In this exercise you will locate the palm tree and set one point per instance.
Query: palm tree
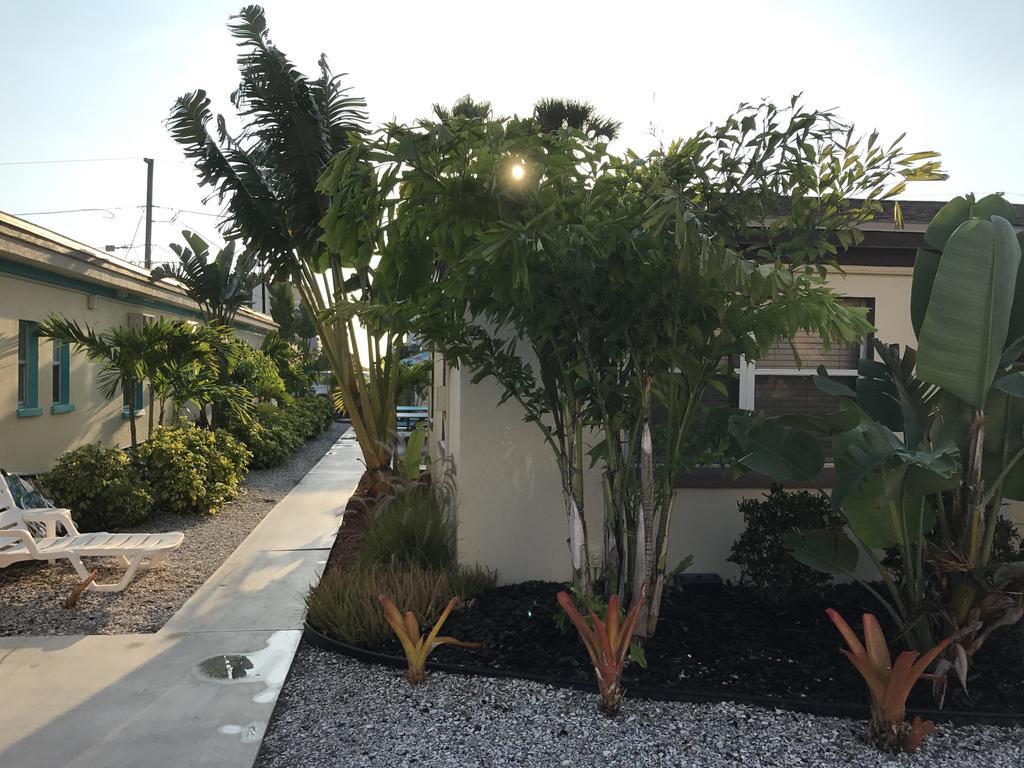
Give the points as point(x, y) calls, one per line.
point(268, 178)
point(220, 287)
point(555, 114)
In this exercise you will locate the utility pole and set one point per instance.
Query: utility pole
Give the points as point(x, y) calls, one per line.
point(149, 211)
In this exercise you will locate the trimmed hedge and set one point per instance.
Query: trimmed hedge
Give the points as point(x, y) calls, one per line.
point(101, 488)
point(191, 470)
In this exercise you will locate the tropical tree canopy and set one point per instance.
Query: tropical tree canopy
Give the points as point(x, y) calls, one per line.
point(594, 287)
point(267, 176)
point(220, 286)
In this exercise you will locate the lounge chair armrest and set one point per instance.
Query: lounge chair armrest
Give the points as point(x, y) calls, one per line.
point(51, 516)
point(23, 535)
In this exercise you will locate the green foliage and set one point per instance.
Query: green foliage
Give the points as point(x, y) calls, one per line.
point(289, 362)
point(761, 552)
point(937, 442)
point(220, 286)
point(344, 603)
point(310, 415)
point(269, 176)
point(414, 527)
point(100, 487)
point(257, 372)
point(270, 435)
point(191, 470)
point(629, 283)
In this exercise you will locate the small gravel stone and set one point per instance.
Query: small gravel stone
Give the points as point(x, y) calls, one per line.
point(32, 594)
point(334, 711)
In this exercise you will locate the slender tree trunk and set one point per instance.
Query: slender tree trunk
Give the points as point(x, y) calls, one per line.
point(152, 401)
point(131, 425)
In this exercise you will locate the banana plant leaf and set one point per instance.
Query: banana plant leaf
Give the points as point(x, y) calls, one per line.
point(823, 550)
point(946, 222)
point(1004, 437)
point(782, 453)
point(965, 327)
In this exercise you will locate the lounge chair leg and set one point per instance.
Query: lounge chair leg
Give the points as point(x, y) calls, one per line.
point(126, 579)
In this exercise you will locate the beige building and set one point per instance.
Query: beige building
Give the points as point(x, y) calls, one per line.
point(49, 401)
point(510, 508)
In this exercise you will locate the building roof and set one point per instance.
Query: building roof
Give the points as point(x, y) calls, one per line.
point(29, 249)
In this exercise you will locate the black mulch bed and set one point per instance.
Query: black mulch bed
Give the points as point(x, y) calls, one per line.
point(719, 638)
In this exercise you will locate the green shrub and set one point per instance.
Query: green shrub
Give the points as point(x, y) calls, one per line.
point(411, 528)
point(255, 371)
point(270, 435)
point(100, 488)
point(191, 470)
point(317, 412)
point(764, 561)
point(344, 604)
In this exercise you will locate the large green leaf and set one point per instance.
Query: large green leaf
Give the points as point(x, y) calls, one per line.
point(877, 395)
point(941, 228)
point(858, 453)
point(926, 265)
point(1016, 329)
point(782, 453)
point(823, 550)
point(965, 328)
point(946, 221)
point(1004, 436)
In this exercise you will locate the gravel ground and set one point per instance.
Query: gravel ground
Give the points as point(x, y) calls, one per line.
point(334, 711)
point(32, 594)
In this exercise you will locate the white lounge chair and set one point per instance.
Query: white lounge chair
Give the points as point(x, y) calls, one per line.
point(20, 540)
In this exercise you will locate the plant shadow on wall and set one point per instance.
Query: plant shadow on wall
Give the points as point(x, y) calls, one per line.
point(928, 446)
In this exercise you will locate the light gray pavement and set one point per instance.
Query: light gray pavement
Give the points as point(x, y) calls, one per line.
point(200, 691)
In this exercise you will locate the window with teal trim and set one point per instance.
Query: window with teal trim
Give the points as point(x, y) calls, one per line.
point(28, 369)
point(61, 378)
point(125, 394)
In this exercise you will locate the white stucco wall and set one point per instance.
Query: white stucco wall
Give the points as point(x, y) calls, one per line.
point(511, 516)
point(30, 445)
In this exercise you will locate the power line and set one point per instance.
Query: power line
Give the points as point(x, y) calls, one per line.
point(83, 160)
point(108, 209)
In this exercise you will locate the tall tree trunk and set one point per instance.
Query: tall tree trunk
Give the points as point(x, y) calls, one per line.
point(131, 425)
point(152, 400)
point(646, 532)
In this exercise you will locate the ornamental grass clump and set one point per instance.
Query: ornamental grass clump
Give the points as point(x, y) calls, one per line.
point(418, 647)
point(889, 683)
point(608, 643)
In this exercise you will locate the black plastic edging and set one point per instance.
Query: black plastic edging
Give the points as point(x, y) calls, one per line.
point(856, 711)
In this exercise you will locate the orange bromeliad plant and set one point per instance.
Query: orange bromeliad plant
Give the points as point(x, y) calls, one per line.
point(890, 683)
point(417, 647)
point(607, 642)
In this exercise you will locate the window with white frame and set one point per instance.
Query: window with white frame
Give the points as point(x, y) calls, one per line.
point(781, 383)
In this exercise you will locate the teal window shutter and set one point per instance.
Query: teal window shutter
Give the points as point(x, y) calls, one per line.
point(61, 378)
point(136, 396)
point(28, 370)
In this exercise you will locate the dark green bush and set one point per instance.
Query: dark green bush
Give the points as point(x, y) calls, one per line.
point(100, 488)
point(764, 561)
point(270, 435)
point(414, 528)
point(191, 470)
point(344, 604)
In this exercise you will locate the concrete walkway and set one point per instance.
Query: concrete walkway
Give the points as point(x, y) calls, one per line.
point(200, 691)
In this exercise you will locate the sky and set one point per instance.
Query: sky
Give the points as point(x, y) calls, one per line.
point(95, 81)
